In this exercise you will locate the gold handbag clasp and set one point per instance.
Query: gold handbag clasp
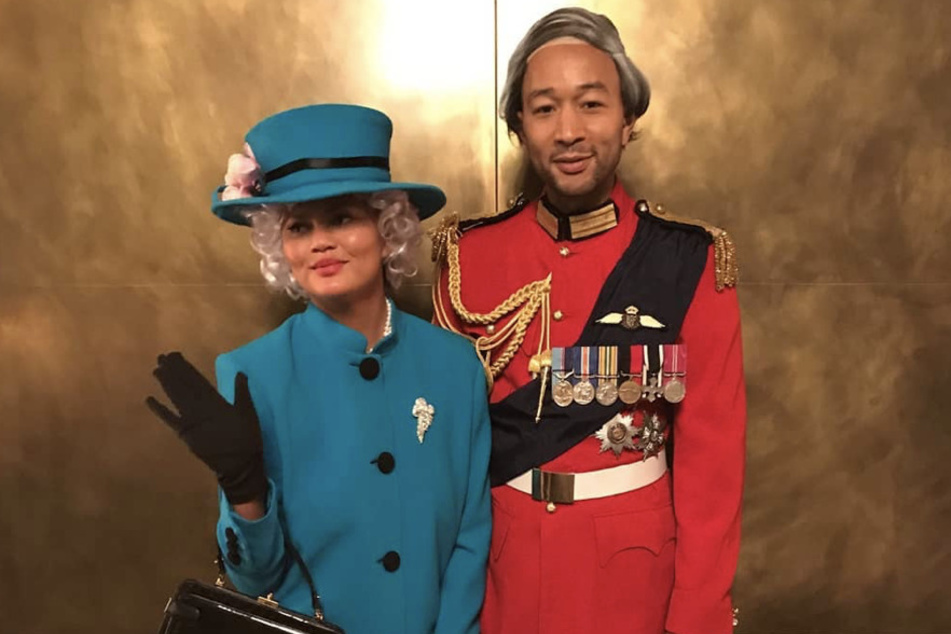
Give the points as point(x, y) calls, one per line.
point(268, 600)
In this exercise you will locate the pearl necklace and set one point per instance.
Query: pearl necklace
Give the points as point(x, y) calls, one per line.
point(388, 328)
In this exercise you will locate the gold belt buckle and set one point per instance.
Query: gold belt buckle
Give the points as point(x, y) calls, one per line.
point(553, 487)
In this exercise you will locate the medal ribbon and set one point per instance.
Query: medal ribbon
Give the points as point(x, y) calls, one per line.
point(558, 369)
point(653, 365)
point(635, 367)
point(572, 356)
point(653, 361)
point(588, 365)
point(675, 361)
point(607, 362)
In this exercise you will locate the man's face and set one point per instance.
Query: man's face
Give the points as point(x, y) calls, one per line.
point(573, 125)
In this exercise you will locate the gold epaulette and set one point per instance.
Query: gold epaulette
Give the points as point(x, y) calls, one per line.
point(446, 234)
point(726, 268)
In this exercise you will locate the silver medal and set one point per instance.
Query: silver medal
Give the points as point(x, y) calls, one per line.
point(607, 393)
point(583, 392)
point(563, 394)
point(674, 391)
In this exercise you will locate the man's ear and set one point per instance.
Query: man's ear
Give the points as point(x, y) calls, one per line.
point(627, 132)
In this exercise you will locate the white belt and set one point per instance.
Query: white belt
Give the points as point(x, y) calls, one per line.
point(565, 488)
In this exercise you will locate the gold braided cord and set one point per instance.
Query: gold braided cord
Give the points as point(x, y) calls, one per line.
point(523, 305)
point(726, 268)
point(541, 362)
point(444, 322)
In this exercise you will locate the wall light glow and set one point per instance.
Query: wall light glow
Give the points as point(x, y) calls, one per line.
point(435, 46)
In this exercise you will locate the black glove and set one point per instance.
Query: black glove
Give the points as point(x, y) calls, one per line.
point(225, 437)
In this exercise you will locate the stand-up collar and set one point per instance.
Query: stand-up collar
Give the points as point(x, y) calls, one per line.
point(346, 340)
point(562, 226)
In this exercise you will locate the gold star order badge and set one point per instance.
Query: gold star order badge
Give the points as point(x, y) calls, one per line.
point(617, 434)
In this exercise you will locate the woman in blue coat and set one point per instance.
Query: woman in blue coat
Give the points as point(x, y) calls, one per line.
point(354, 431)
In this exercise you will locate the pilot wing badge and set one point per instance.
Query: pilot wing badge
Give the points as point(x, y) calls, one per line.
point(631, 319)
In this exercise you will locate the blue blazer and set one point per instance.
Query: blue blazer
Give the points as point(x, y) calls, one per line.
point(394, 531)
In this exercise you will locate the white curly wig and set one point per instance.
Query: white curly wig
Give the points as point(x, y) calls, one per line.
point(398, 223)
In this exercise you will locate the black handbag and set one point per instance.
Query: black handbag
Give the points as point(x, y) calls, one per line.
point(201, 608)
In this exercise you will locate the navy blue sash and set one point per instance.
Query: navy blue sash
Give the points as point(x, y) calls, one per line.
point(658, 273)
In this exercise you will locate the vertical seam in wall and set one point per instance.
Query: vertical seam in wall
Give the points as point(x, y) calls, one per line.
point(495, 98)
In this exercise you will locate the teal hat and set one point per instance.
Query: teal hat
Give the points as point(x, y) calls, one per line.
point(318, 152)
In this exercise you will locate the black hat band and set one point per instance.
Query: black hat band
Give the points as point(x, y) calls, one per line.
point(298, 165)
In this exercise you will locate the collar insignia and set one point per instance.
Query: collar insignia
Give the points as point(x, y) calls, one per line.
point(576, 227)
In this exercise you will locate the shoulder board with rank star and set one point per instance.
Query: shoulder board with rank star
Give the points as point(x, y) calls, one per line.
point(725, 267)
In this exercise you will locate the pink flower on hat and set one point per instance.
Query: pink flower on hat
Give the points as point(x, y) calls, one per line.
point(244, 177)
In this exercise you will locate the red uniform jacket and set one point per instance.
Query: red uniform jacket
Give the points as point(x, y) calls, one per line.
point(659, 558)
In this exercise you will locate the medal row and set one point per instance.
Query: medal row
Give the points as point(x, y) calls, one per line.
point(584, 375)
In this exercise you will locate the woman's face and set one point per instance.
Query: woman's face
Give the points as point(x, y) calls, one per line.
point(334, 248)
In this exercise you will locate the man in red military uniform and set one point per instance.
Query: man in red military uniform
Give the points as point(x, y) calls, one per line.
point(611, 333)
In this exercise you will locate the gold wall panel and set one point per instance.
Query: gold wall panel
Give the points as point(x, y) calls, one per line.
point(125, 113)
point(848, 496)
point(117, 121)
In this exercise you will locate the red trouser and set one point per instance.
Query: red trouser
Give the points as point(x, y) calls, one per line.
point(601, 566)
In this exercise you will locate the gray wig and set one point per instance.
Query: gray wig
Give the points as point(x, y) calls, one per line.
point(593, 28)
point(398, 223)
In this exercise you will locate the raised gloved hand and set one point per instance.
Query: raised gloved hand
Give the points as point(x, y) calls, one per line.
point(225, 437)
